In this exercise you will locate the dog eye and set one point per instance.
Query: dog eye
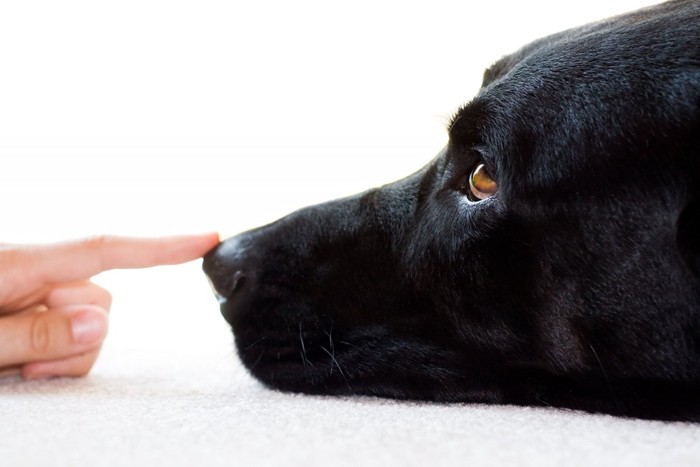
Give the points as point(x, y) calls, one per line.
point(481, 184)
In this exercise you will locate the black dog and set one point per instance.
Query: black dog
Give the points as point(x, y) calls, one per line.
point(549, 255)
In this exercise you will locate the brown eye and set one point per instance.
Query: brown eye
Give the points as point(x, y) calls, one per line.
point(481, 184)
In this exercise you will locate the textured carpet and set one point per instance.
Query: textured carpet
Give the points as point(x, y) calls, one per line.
point(131, 419)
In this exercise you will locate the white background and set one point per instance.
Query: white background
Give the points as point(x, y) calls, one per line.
point(161, 117)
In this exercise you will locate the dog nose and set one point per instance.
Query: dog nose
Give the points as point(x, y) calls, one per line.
point(228, 269)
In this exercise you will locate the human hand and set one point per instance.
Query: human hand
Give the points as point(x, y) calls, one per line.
point(53, 320)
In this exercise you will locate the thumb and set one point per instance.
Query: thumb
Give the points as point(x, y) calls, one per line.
point(52, 334)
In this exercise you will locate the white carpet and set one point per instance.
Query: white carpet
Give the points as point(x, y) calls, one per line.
point(168, 391)
point(126, 418)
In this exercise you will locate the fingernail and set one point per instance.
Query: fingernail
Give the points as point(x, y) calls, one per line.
point(88, 327)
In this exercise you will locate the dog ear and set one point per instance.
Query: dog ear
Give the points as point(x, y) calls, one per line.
point(688, 236)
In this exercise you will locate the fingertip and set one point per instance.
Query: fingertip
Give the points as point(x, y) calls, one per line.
point(212, 235)
point(213, 240)
point(191, 247)
point(210, 239)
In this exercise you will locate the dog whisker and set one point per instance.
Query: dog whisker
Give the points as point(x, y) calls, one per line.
point(334, 361)
point(544, 402)
point(605, 375)
point(304, 357)
point(255, 343)
point(330, 339)
point(258, 360)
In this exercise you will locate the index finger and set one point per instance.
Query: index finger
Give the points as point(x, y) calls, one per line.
point(82, 259)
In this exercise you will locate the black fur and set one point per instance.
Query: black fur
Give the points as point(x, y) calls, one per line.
point(577, 285)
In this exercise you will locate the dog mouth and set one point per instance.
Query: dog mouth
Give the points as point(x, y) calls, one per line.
point(316, 329)
point(279, 333)
point(290, 350)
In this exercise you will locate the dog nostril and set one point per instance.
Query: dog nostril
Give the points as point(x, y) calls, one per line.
point(239, 280)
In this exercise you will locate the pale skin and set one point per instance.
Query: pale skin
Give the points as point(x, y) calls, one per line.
point(53, 320)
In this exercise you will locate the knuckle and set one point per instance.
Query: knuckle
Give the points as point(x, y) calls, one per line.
point(99, 247)
point(98, 242)
point(100, 296)
point(40, 336)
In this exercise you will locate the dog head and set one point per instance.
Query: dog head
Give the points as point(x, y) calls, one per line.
point(549, 254)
